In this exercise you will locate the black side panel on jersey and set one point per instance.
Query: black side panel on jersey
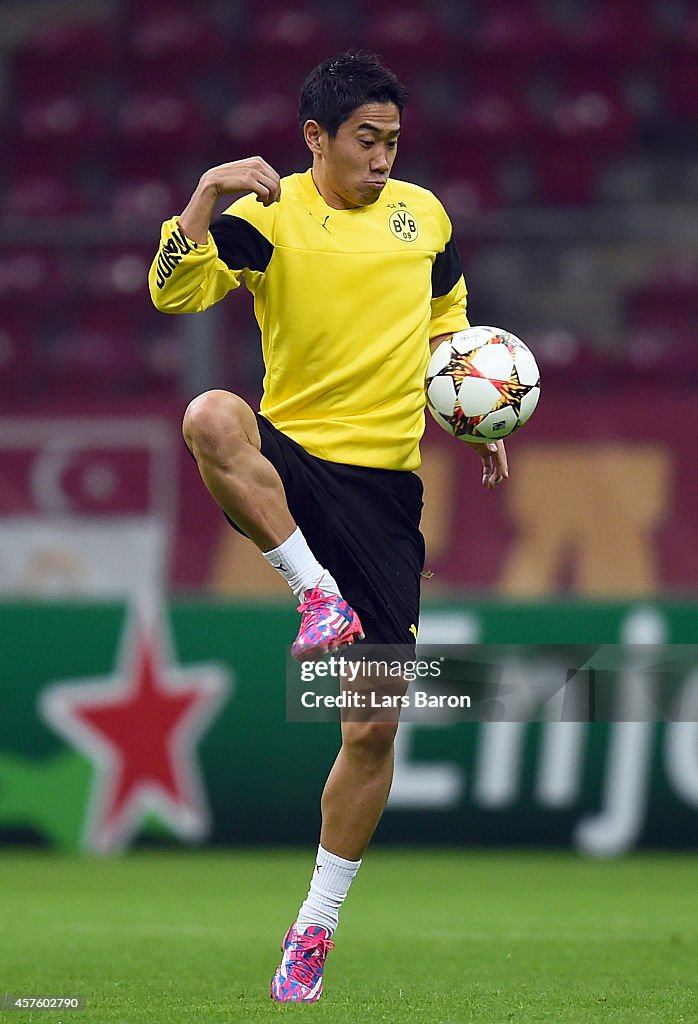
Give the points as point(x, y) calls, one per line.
point(446, 271)
point(240, 245)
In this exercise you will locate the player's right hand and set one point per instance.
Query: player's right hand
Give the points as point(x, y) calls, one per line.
point(495, 467)
point(250, 175)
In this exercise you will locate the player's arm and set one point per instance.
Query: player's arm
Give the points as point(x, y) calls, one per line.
point(435, 342)
point(449, 296)
point(448, 315)
point(251, 175)
point(190, 272)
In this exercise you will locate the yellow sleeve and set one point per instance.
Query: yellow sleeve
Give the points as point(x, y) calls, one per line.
point(186, 277)
point(448, 312)
point(449, 295)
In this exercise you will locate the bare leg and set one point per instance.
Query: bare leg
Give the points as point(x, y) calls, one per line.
point(357, 788)
point(221, 432)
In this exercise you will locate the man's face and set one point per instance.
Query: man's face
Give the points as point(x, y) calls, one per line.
point(352, 169)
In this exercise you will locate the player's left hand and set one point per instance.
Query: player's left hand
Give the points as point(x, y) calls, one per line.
point(494, 463)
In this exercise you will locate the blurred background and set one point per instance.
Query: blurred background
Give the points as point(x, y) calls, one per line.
point(562, 136)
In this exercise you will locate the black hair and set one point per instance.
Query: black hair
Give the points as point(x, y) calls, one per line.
point(337, 87)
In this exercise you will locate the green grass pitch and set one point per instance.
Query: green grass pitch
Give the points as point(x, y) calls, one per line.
point(426, 936)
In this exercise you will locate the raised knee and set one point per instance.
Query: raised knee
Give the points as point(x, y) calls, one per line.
point(214, 418)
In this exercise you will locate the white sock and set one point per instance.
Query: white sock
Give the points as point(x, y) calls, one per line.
point(299, 566)
point(328, 890)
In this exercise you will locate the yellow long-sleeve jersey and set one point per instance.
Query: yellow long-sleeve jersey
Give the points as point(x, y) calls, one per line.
point(346, 301)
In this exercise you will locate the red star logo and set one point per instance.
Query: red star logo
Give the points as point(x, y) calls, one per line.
point(140, 728)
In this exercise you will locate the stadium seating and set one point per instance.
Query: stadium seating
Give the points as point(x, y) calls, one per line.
point(64, 58)
point(680, 84)
point(285, 41)
point(617, 37)
point(583, 130)
point(42, 195)
point(162, 355)
point(504, 48)
point(91, 355)
point(409, 39)
point(165, 36)
point(31, 277)
point(147, 198)
point(513, 103)
point(568, 361)
point(19, 369)
point(155, 130)
point(655, 352)
point(666, 301)
point(50, 133)
point(266, 123)
point(494, 122)
point(471, 188)
point(115, 277)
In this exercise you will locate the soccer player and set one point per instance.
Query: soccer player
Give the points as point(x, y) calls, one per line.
point(353, 275)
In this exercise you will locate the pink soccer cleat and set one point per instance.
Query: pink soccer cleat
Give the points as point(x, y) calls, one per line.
point(298, 978)
point(328, 624)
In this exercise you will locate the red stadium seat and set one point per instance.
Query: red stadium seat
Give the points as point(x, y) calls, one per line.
point(568, 360)
point(471, 192)
point(492, 122)
point(161, 119)
point(688, 33)
point(95, 353)
point(680, 85)
point(678, 280)
point(593, 117)
point(116, 281)
point(120, 270)
point(566, 174)
point(63, 57)
point(31, 278)
point(667, 300)
point(163, 353)
point(20, 371)
point(285, 43)
point(678, 72)
point(133, 10)
point(175, 35)
point(612, 39)
point(581, 132)
point(657, 353)
point(266, 125)
point(509, 42)
point(240, 351)
point(170, 47)
point(42, 195)
point(410, 40)
point(118, 333)
point(144, 198)
point(156, 131)
point(513, 30)
point(62, 127)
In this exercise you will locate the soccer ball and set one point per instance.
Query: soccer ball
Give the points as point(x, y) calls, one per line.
point(482, 384)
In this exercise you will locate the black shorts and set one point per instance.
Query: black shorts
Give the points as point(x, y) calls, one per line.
point(363, 525)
